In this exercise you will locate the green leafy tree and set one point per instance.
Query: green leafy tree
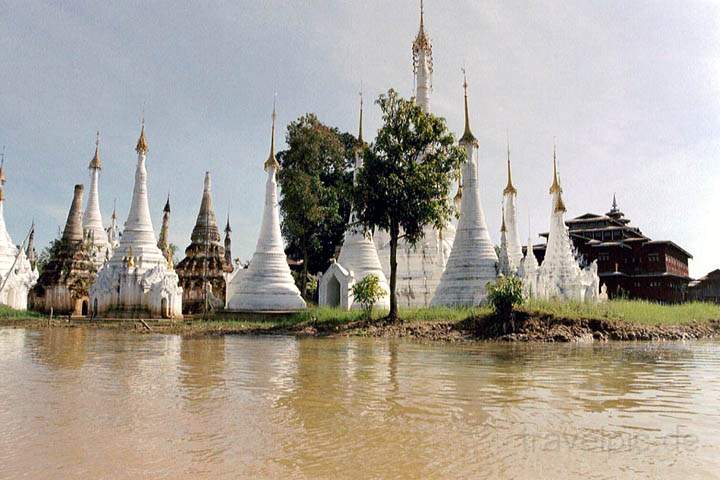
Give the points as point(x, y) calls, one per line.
point(367, 292)
point(505, 295)
point(404, 184)
point(316, 192)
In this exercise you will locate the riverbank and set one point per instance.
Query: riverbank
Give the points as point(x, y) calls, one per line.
point(534, 322)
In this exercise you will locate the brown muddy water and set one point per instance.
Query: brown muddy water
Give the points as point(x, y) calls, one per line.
point(78, 403)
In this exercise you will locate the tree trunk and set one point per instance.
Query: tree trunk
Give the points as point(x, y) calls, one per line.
point(303, 280)
point(394, 234)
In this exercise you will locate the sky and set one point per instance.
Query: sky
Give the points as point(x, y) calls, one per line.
point(627, 90)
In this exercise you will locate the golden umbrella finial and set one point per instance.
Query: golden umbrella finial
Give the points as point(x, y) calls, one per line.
point(510, 188)
point(272, 162)
point(468, 137)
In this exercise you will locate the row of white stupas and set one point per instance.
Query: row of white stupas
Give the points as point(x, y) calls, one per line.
point(452, 266)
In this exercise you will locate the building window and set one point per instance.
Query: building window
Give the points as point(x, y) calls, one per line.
point(604, 257)
point(654, 257)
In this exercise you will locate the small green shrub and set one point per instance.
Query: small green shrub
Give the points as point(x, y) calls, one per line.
point(367, 292)
point(505, 294)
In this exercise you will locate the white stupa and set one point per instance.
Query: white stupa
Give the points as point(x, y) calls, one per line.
point(113, 232)
point(92, 218)
point(17, 276)
point(472, 262)
point(358, 258)
point(505, 266)
point(267, 284)
point(137, 280)
point(419, 268)
point(560, 275)
point(514, 248)
point(528, 270)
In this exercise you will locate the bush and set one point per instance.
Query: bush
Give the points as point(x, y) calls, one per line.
point(504, 295)
point(367, 292)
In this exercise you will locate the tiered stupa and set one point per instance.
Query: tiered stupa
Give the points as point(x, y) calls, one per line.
point(92, 218)
point(138, 279)
point(560, 275)
point(66, 278)
point(17, 275)
point(473, 261)
point(419, 268)
point(267, 284)
point(358, 258)
point(202, 271)
point(514, 248)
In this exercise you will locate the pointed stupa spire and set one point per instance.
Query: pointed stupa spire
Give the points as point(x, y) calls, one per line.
point(166, 208)
point(73, 226)
point(360, 127)
point(509, 188)
point(142, 147)
point(2, 166)
point(206, 230)
point(468, 137)
point(555, 187)
point(272, 162)
point(503, 227)
point(422, 42)
point(227, 225)
point(95, 163)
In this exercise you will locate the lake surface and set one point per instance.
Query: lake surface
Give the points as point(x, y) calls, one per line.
point(78, 403)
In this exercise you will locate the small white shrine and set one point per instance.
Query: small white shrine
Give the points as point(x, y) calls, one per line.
point(267, 284)
point(137, 280)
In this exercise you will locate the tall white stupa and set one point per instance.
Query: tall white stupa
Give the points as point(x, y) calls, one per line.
point(267, 284)
point(514, 248)
point(92, 218)
point(505, 264)
point(419, 268)
point(472, 263)
point(358, 257)
point(17, 276)
point(137, 280)
point(560, 275)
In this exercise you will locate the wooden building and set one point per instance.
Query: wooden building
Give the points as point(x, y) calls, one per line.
point(705, 289)
point(630, 264)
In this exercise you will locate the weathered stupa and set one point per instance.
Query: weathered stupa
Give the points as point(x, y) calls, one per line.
point(138, 280)
point(560, 275)
point(419, 268)
point(202, 271)
point(514, 248)
point(164, 238)
point(92, 218)
point(267, 284)
point(358, 258)
point(65, 280)
point(473, 261)
point(228, 246)
point(17, 275)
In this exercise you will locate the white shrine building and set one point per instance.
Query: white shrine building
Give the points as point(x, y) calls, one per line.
point(17, 276)
point(473, 261)
point(560, 276)
point(92, 219)
point(267, 284)
point(358, 258)
point(137, 280)
point(419, 267)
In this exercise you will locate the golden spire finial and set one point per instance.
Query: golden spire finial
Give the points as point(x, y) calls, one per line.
point(555, 187)
point(95, 162)
point(422, 43)
point(468, 137)
point(271, 162)
point(510, 188)
point(503, 228)
point(142, 146)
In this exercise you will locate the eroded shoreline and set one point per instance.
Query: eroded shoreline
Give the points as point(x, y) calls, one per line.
point(525, 328)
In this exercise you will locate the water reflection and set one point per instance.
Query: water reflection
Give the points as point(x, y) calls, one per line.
point(129, 406)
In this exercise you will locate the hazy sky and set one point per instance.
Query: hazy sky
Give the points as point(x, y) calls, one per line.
point(629, 88)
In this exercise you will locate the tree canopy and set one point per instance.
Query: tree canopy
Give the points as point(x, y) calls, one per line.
point(404, 184)
point(316, 188)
